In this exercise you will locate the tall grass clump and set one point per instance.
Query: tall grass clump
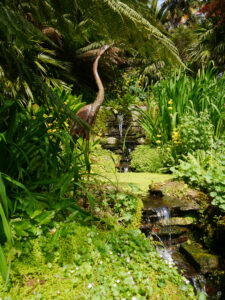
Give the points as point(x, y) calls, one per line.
point(182, 94)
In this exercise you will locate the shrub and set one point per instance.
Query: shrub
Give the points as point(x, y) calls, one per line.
point(146, 159)
point(195, 132)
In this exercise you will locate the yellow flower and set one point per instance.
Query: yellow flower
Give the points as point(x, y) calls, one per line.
point(34, 117)
point(170, 108)
point(170, 102)
point(158, 141)
point(35, 108)
point(171, 115)
point(158, 135)
point(168, 149)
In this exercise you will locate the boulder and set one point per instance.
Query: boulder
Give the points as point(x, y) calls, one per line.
point(203, 260)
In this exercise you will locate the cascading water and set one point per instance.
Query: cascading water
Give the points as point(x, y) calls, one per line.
point(120, 122)
point(163, 214)
point(166, 251)
point(124, 164)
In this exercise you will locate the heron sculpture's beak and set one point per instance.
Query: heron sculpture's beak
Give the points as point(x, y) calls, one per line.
point(104, 48)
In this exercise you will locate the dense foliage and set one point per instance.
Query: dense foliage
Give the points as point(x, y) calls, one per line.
point(205, 170)
point(46, 179)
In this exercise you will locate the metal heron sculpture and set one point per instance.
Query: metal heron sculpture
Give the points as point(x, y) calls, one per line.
point(89, 112)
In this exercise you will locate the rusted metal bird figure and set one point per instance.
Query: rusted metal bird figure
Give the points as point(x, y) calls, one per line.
point(89, 112)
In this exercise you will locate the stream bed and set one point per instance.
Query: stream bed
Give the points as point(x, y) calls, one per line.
point(171, 222)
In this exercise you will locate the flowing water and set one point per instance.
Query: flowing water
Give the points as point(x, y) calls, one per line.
point(125, 161)
point(120, 122)
point(172, 256)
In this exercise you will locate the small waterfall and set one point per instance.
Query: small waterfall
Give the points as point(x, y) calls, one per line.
point(199, 283)
point(120, 121)
point(163, 214)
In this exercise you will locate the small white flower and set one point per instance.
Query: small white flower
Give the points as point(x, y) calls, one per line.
point(39, 226)
point(121, 255)
point(24, 238)
point(114, 284)
point(58, 292)
point(71, 271)
point(128, 272)
point(134, 298)
point(118, 281)
point(110, 252)
point(77, 268)
point(113, 260)
point(100, 262)
point(34, 293)
point(90, 285)
point(133, 283)
point(126, 242)
point(128, 259)
point(118, 254)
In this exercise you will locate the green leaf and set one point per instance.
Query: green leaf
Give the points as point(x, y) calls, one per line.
point(3, 265)
point(45, 217)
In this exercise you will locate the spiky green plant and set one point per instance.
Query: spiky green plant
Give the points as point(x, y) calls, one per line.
point(181, 93)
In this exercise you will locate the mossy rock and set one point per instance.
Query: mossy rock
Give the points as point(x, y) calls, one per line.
point(205, 261)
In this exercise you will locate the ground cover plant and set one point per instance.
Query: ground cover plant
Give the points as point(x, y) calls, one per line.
point(88, 261)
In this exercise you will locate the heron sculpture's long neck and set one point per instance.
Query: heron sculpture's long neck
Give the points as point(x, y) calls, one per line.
point(100, 96)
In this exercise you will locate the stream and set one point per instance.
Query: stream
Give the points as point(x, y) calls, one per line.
point(157, 224)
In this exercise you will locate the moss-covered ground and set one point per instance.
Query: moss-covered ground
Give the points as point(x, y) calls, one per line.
point(141, 180)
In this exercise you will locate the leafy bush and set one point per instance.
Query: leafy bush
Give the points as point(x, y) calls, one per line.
point(146, 159)
point(195, 132)
point(205, 170)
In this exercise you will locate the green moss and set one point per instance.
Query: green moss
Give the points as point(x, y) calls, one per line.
point(146, 159)
point(137, 217)
point(141, 180)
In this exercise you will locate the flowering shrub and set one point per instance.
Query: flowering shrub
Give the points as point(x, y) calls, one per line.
point(215, 11)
